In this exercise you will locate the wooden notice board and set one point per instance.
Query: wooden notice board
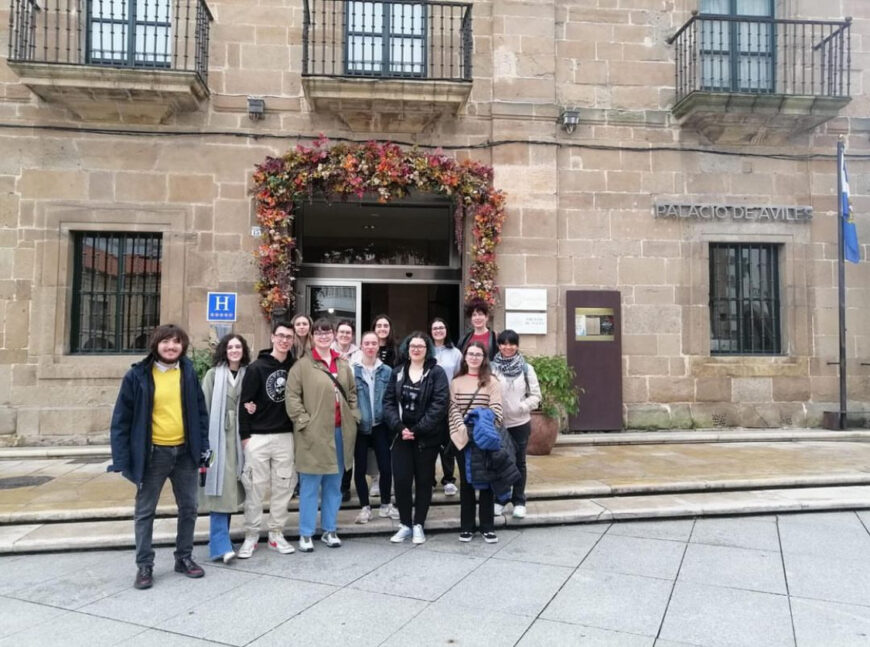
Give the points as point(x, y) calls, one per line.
point(594, 349)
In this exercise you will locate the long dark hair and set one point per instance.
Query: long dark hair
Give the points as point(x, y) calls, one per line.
point(390, 340)
point(220, 351)
point(485, 374)
point(448, 343)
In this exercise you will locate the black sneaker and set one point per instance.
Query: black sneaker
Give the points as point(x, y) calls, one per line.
point(490, 537)
point(188, 567)
point(465, 536)
point(345, 496)
point(144, 577)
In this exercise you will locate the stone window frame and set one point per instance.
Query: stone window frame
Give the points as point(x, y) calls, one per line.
point(52, 299)
point(794, 294)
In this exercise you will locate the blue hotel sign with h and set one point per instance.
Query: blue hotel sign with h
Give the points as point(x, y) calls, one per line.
point(221, 307)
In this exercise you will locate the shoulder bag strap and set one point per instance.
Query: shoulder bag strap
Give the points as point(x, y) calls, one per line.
point(334, 381)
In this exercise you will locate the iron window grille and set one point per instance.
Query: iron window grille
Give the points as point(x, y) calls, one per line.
point(385, 39)
point(738, 55)
point(115, 291)
point(130, 32)
point(745, 317)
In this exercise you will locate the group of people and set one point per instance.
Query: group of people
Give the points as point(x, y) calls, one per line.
point(311, 412)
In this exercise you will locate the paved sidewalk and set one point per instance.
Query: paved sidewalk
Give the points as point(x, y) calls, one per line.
point(77, 505)
point(772, 580)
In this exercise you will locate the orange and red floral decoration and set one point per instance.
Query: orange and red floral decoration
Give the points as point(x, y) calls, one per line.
point(382, 169)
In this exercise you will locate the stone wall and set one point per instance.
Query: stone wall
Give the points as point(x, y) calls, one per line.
point(580, 207)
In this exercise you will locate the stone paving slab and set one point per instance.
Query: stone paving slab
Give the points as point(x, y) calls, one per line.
point(117, 534)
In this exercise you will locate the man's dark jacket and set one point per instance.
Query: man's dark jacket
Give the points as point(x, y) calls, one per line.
point(131, 420)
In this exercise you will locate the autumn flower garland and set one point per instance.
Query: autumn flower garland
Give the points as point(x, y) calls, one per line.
point(354, 170)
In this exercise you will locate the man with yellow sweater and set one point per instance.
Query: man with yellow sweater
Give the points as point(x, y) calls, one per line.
point(159, 431)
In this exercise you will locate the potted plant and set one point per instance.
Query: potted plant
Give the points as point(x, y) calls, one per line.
point(559, 399)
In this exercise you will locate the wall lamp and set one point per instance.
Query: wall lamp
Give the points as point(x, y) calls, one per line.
point(569, 120)
point(256, 108)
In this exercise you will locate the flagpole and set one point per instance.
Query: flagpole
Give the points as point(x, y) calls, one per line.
point(841, 281)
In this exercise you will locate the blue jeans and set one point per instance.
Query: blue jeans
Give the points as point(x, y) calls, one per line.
point(176, 464)
point(328, 486)
point(520, 434)
point(219, 541)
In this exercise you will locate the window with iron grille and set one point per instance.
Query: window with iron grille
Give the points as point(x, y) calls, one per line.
point(115, 291)
point(130, 32)
point(737, 55)
point(745, 303)
point(386, 39)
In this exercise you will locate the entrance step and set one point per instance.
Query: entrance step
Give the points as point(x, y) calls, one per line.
point(118, 533)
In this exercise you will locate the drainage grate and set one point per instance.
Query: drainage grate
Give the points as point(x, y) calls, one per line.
point(23, 481)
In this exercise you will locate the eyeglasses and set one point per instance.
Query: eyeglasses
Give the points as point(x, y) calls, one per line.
point(439, 328)
point(281, 336)
point(322, 333)
point(417, 346)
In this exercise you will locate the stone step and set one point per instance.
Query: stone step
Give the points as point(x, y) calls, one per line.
point(581, 490)
point(84, 535)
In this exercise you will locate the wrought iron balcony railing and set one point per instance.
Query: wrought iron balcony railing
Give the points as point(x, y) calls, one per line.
point(153, 34)
point(388, 39)
point(761, 55)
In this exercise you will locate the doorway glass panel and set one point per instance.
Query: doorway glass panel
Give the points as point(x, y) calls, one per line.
point(335, 301)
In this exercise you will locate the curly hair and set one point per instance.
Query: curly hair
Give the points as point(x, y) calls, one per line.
point(220, 351)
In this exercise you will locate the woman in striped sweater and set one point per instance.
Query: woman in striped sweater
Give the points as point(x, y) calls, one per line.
point(473, 387)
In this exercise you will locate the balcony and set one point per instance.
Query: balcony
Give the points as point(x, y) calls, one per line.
point(387, 66)
point(128, 61)
point(760, 80)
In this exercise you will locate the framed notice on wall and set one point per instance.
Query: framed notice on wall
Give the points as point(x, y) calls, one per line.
point(593, 324)
point(526, 323)
point(525, 299)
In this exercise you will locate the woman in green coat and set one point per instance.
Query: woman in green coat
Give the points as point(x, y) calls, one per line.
point(223, 493)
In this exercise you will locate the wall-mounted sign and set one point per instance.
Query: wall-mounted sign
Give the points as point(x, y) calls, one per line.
point(736, 212)
point(593, 324)
point(525, 299)
point(526, 323)
point(221, 307)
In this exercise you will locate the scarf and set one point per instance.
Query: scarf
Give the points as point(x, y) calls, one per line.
point(510, 367)
point(214, 480)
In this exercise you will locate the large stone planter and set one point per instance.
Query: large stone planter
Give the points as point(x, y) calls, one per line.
point(545, 430)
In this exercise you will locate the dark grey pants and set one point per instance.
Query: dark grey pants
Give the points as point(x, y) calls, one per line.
point(175, 464)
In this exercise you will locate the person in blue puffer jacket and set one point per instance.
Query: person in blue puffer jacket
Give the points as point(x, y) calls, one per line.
point(372, 379)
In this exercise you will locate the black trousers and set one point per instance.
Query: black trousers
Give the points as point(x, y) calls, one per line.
point(413, 465)
point(468, 497)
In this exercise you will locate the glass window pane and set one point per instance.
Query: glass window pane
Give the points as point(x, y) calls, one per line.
point(406, 19)
point(153, 10)
point(753, 8)
point(109, 9)
point(116, 291)
point(367, 17)
point(365, 53)
point(716, 6)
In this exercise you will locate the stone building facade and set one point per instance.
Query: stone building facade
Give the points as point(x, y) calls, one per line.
point(588, 111)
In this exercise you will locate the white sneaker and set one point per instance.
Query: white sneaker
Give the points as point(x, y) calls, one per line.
point(490, 537)
point(229, 556)
point(330, 539)
point(497, 509)
point(365, 515)
point(388, 510)
point(402, 534)
point(375, 489)
point(450, 489)
point(279, 543)
point(248, 547)
point(305, 544)
point(519, 512)
point(419, 535)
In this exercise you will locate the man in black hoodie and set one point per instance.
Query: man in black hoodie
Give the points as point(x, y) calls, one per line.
point(267, 439)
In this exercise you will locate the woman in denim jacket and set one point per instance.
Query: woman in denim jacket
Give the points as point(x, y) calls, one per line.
point(372, 379)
